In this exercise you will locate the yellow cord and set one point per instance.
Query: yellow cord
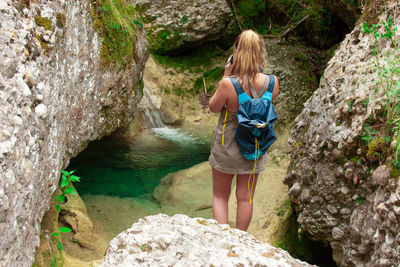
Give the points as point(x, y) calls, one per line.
point(252, 177)
point(253, 172)
point(223, 128)
point(234, 124)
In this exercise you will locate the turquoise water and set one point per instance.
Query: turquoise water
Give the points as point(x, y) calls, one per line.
point(107, 167)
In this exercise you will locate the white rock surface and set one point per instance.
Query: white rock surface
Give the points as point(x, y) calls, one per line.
point(160, 240)
point(54, 99)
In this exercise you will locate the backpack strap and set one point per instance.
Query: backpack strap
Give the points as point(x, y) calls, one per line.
point(261, 90)
point(239, 90)
point(271, 85)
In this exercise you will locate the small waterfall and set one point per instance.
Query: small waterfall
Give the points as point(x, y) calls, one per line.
point(154, 117)
point(150, 105)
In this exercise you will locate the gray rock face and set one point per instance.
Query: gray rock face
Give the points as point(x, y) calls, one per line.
point(173, 25)
point(54, 99)
point(296, 81)
point(352, 208)
point(161, 240)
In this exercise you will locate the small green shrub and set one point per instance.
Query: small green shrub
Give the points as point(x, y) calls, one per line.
point(67, 178)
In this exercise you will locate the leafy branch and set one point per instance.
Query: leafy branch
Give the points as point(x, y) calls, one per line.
point(67, 178)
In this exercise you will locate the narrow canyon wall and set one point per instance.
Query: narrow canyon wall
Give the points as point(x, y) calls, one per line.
point(54, 99)
point(344, 182)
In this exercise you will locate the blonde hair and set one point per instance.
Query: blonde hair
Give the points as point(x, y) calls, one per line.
point(249, 56)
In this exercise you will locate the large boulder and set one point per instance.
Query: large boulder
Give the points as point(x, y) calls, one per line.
point(342, 179)
point(179, 25)
point(55, 97)
point(160, 240)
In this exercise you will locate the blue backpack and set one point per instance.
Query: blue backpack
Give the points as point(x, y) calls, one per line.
point(256, 116)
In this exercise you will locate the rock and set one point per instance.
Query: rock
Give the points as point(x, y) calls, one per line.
point(380, 176)
point(348, 174)
point(337, 233)
point(179, 240)
point(29, 78)
point(178, 25)
point(5, 147)
point(50, 108)
point(337, 114)
point(41, 111)
point(74, 214)
point(295, 190)
point(178, 192)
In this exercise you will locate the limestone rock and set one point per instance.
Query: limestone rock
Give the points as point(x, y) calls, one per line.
point(351, 208)
point(161, 240)
point(54, 99)
point(173, 25)
point(381, 175)
point(178, 192)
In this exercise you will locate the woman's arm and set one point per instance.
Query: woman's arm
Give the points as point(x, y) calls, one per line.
point(220, 97)
point(275, 92)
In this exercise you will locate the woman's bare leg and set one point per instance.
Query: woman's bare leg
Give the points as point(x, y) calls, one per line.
point(221, 190)
point(244, 207)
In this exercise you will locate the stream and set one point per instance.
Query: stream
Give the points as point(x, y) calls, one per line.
point(134, 171)
point(118, 180)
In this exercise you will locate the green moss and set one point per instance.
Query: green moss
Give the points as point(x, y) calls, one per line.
point(118, 24)
point(377, 145)
point(331, 51)
point(163, 34)
point(394, 171)
point(43, 22)
point(304, 61)
point(60, 20)
point(290, 241)
point(43, 43)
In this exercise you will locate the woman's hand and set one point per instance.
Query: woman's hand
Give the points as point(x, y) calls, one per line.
point(228, 69)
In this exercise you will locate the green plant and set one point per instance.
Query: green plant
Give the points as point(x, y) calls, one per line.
point(387, 87)
point(184, 19)
point(67, 178)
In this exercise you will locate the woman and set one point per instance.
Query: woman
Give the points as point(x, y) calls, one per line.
point(226, 160)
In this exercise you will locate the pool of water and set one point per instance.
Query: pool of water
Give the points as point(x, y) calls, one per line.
point(108, 168)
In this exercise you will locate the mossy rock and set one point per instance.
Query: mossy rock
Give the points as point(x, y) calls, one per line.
point(44, 22)
point(118, 24)
point(164, 41)
point(61, 20)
